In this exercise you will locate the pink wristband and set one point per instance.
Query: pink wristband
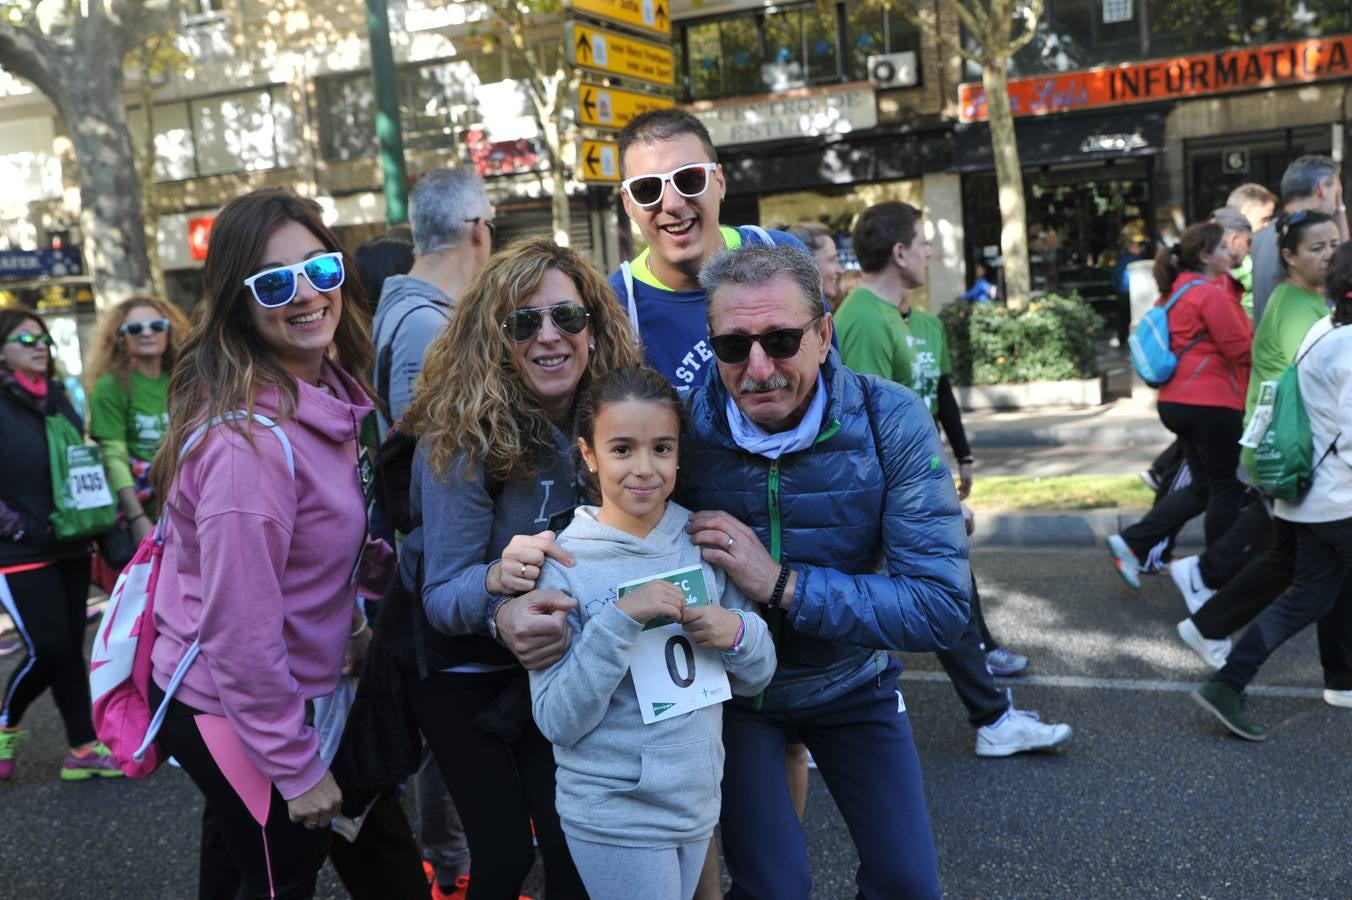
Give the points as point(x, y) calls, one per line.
point(741, 633)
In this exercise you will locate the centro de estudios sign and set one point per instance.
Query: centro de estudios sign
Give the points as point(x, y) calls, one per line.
point(803, 112)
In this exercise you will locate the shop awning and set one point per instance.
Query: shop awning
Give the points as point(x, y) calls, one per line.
point(1053, 139)
point(815, 163)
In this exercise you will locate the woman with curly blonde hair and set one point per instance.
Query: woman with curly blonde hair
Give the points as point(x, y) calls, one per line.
point(135, 348)
point(493, 482)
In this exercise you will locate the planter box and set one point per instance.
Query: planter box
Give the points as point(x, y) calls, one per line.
point(1033, 395)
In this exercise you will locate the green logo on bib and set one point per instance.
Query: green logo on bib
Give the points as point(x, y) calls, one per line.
point(934, 463)
point(659, 708)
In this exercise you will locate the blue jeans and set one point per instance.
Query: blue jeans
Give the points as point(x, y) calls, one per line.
point(864, 750)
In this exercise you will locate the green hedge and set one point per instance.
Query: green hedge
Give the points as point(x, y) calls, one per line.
point(1053, 339)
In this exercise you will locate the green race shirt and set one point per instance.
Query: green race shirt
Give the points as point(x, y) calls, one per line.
point(930, 360)
point(137, 422)
point(873, 338)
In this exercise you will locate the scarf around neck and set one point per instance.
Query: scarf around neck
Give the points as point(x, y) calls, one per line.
point(754, 439)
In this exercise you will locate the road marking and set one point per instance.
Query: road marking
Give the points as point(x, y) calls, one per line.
point(1126, 684)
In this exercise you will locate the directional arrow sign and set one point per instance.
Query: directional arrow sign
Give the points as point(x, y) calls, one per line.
point(599, 161)
point(604, 107)
point(615, 54)
point(651, 15)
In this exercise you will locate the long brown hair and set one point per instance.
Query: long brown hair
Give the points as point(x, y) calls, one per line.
point(224, 363)
point(110, 348)
point(1186, 255)
point(470, 397)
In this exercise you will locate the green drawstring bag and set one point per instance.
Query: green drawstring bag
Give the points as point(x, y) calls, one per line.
point(83, 505)
point(1283, 461)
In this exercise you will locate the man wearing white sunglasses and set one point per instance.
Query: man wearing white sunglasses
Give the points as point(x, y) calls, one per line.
point(672, 189)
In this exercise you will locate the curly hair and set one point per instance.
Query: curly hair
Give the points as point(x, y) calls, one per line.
point(110, 348)
point(471, 399)
point(224, 363)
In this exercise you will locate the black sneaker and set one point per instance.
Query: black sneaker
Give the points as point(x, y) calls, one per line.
point(1227, 704)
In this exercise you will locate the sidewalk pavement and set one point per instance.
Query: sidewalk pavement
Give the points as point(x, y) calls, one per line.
point(1118, 438)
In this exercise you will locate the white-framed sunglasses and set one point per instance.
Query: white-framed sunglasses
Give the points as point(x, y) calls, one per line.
point(689, 181)
point(277, 287)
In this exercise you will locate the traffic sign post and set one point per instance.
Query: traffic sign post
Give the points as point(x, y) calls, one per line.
point(599, 161)
point(607, 107)
point(651, 15)
point(615, 54)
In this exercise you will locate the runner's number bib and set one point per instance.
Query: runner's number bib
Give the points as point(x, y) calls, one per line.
point(672, 675)
point(88, 486)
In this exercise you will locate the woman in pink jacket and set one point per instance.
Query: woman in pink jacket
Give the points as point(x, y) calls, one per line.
point(1203, 404)
point(266, 531)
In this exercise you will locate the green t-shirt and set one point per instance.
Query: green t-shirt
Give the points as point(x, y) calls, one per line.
point(1243, 273)
point(128, 426)
point(929, 350)
point(873, 338)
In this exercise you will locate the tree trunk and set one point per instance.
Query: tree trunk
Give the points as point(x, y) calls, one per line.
point(145, 171)
point(111, 218)
point(1009, 182)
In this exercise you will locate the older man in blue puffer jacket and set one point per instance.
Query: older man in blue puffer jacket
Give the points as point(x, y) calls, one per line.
point(819, 474)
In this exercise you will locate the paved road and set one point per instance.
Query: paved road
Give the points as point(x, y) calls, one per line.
point(1150, 798)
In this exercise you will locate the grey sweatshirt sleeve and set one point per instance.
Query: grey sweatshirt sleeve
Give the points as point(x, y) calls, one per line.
point(570, 698)
point(406, 356)
point(1267, 270)
point(753, 665)
point(458, 515)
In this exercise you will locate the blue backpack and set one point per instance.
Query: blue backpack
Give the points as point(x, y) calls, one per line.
point(1150, 353)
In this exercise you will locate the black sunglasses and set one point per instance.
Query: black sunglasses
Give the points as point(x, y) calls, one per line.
point(30, 340)
point(158, 326)
point(489, 224)
point(522, 324)
point(782, 343)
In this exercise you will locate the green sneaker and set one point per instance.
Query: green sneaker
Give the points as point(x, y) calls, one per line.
point(1227, 704)
point(95, 762)
point(8, 741)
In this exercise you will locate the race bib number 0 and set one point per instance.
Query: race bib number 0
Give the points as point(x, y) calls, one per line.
point(88, 485)
point(672, 675)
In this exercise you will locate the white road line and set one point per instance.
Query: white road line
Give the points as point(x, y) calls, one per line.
point(1125, 684)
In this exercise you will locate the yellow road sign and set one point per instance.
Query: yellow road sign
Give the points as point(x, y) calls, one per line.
point(599, 161)
point(649, 14)
point(615, 54)
point(605, 107)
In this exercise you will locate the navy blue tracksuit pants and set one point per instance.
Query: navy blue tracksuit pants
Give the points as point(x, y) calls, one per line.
point(864, 750)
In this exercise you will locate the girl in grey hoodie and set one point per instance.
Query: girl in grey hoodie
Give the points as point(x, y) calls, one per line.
point(639, 802)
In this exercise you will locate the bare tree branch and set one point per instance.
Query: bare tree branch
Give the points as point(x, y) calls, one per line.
point(928, 22)
point(27, 53)
point(1030, 15)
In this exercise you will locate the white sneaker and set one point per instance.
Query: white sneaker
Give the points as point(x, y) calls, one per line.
point(1128, 566)
point(1338, 698)
point(1213, 653)
point(1187, 576)
point(1018, 731)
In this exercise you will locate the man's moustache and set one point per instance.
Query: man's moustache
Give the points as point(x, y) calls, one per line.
point(751, 386)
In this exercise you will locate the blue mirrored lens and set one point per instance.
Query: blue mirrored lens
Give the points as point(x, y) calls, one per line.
point(325, 272)
point(275, 288)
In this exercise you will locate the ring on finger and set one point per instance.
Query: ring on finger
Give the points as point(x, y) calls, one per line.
point(522, 573)
point(731, 541)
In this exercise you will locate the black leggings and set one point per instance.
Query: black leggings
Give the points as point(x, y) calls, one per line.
point(501, 782)
point(276, 858)
point(48, 609)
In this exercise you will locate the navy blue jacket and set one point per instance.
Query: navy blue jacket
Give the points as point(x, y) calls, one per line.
point(873, 487)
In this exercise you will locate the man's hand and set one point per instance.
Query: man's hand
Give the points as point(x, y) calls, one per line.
point(968, 519)
point(521, 562)
point(712, 626)
point(535, 628)
point(316, 807)
point(733, 547)
point(964, 480)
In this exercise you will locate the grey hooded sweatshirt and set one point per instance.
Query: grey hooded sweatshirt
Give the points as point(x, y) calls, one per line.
point(621, 782)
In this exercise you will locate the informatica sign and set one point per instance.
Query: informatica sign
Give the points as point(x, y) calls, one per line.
point(1274, 65)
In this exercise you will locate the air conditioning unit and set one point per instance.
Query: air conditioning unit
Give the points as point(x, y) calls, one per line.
point(893, 70)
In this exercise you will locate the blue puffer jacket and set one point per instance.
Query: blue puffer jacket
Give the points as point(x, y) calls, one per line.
point(874, 486)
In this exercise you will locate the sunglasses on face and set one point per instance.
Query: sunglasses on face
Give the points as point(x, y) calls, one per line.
point(489, 224)
point(277, 287)
point(689, 181)
point(30, 340)
point(158, 326)
point(522, 324)
point(782, 343)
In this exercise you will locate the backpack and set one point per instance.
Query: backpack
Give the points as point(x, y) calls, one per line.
point(1283, 461)
point(1150, 354)
point(82, 504)
point(385, 356)
point(119, 662)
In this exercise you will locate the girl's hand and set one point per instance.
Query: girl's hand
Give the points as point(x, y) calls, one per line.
point(316, 807)
point(521, 562)
point(656, 598)
point(712, 626)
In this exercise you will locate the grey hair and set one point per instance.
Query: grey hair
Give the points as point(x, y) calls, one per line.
point(1304, 176)
point(441, 203)
point(810, 233)
point(756, 264)
point(1232, 219)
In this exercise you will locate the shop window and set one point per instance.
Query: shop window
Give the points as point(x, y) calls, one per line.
point(436, 103)
point(243, 132)
point(1187, 26)
point(870, 31)
point(1267, 21)
point(742, 56)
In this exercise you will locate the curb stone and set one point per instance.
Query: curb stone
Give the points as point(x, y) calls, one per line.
point(1086, 528)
